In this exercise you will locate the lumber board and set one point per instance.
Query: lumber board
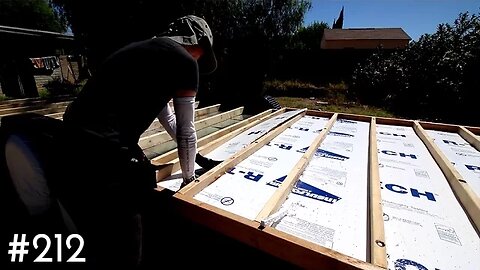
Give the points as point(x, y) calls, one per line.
point(214, 143)
point(25, 102)
point(163, 136)
point(463, 192)
point(157, 127)
point(219, 136)
point(304, 254)
point(215, 119)
point(57, 115)
point(378, 255)
point(438, 126)
point(474, 130)
point(210, 176)
point(393, 121)
point(284, 189)
point(22, 109)
point(208, 143)
point(39, 110)
point(470, 137)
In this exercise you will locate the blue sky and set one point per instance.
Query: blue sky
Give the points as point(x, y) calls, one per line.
point(416, 17)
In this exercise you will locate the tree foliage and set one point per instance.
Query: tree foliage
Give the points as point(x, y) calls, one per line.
point(34, 14)
point(309, 37)
point(435, 78)
point(114, 25)
point(246, 32)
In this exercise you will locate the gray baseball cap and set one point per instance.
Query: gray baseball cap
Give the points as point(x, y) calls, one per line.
point(193, 30)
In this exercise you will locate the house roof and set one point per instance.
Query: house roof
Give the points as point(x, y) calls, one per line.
point(17, 31)
point(365, 33)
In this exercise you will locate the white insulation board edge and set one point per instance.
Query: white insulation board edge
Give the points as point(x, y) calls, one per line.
point(328, 204)
point(247, 187)
point(232, 146)
point(464, 157)
point(425, 226)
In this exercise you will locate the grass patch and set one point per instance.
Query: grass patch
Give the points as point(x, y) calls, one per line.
point(315, 104)
point(44, 93)
point(3, 97)
point(292, 88)
point(333, 97)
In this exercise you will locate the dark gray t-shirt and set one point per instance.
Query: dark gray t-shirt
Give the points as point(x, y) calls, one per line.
point(131, 87)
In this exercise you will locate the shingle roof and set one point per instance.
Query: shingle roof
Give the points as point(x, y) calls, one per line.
point(365, 33)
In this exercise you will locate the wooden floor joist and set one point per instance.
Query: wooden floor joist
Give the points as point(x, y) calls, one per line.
point(33, 102)
point(216, 128)
point(470, 137)
point(284, 189)
point(158, 138)
point(294, 249)
point(209, 142)
point(157, 127)
point(41, 109)
point(378, 254)
point(282, 245)
point(464, 193)
point(210, 176)
point(213, 140)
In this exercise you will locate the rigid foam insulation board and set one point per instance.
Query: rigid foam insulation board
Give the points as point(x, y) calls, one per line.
point(245, 189)
point(232, 146)
point(244, 139)
point(328, 204)
point(425, 226)
point(464, 157)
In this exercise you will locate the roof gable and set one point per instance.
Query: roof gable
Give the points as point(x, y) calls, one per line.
point(365, 34)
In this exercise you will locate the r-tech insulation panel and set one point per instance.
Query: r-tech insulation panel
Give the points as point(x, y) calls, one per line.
point(338, 191)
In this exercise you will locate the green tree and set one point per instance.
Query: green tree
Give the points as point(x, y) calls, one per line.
point(309, 37)
point(34, 14)
point(246, 32)
point(435, 78)
point(249, 34)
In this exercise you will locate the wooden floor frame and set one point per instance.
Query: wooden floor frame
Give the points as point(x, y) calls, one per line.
point(294, 249)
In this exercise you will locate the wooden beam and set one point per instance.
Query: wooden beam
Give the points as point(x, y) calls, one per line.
point(207, 145)
point(57, 115)
point(474, 130)
point(215, 119)
point(214, 143)
point(393, 121)
point(212, 175)
point(42, 111)
point(463, 192)
point(447, 127)
point(302, 253)
point(320, 113)
point(23, 109)
point(361, 118)
point(469, 137)
point(26, 102)
point(156, 126)
point(438, 126)
point(282, 192)
point(378, 254)
point(230, 131)
point(163, 136)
